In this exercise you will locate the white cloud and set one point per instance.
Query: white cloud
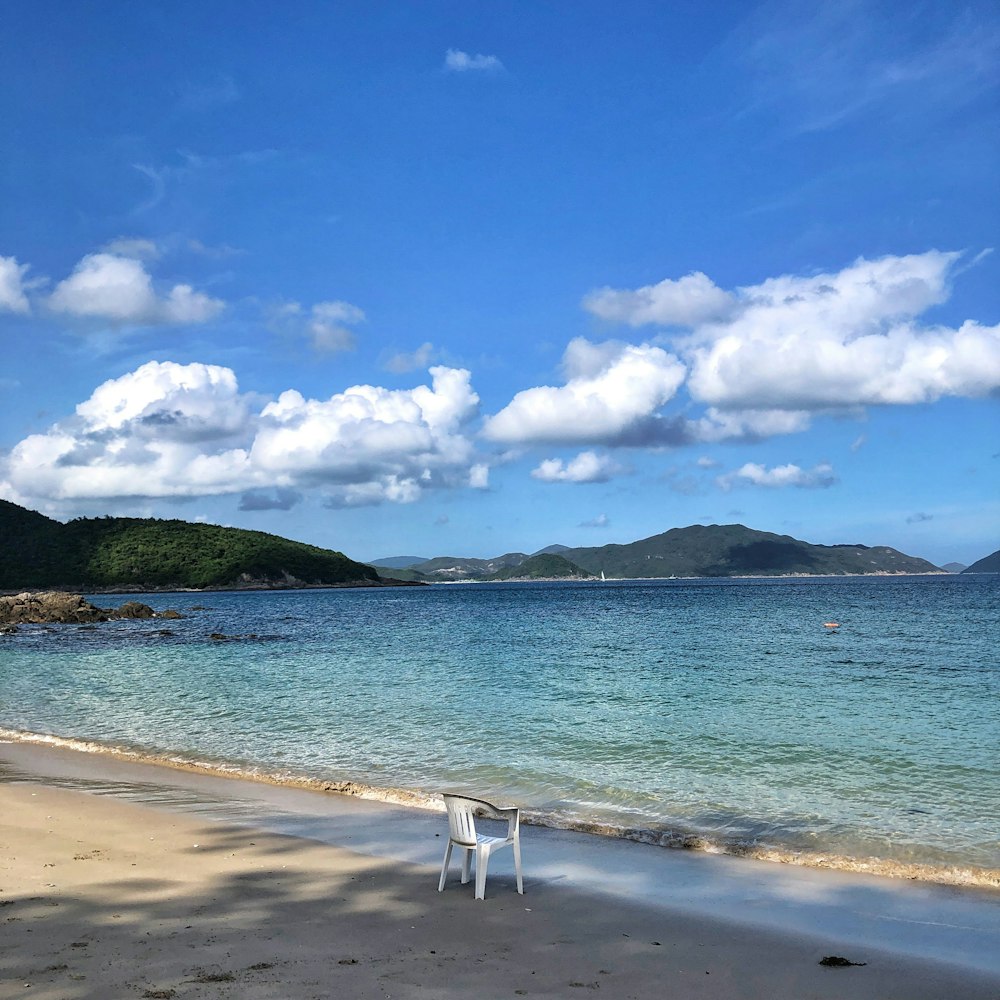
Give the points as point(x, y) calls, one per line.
point(587, 467)
point(185, 430)
point(601, 521)
point(329, 324)
point(457, 61)
point(746, 425)
point(12, 297)
point(326, 324)
point(779, 477)
point(134, 247)
point(612, 396)
point(690, 300)
point(479, 477)
point(791, 346)
point(401, 361)
point(119, 289)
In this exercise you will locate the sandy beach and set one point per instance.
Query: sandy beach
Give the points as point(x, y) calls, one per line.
point(121, 880)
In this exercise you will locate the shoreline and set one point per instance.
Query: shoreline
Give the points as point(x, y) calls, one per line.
point(388, 581)
point(670, 839)
point(123, 877)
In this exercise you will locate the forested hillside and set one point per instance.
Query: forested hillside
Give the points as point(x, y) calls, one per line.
point(139, 553)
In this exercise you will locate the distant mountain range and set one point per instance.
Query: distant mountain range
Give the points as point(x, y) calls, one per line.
point(124, 553)
point(712, 550)
point(120, 553)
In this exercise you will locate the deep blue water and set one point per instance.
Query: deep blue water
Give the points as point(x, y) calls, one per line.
point(722, 708)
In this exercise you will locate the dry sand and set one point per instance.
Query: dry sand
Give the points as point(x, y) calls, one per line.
point(104, 898)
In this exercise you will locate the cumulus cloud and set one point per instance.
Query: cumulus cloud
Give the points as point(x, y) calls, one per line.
point(601, 521)
point(765, 358)
point(119, 289)
point(587, 467)
point(687, 301)
point(12, 292)
point(402, 361)
point(780, 476)
point(844, 339)
point(170, 430)
point(611, 396)
point(457, 61)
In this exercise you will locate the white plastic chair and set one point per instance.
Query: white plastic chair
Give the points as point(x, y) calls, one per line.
point(462, 834)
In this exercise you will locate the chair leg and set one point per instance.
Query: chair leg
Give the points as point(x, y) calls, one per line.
point(444, 867)
point(482, 863)
point(517, 866)
point(466, 864)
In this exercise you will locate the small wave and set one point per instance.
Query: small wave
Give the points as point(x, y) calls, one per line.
point(657, 836)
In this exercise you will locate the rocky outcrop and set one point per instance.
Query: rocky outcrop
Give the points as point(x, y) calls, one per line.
point(52, 606)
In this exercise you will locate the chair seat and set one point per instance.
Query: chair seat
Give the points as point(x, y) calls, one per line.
point(483, 839)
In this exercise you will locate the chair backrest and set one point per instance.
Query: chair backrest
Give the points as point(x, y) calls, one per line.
point(461, 817)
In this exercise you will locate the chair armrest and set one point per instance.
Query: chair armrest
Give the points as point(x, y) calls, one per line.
point(513, 816)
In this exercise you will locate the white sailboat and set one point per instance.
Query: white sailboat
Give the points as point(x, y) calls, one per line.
point(602, 576)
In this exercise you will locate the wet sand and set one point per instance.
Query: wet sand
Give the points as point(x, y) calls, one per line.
point(134, 881)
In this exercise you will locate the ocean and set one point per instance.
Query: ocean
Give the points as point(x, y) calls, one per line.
point(720, 715)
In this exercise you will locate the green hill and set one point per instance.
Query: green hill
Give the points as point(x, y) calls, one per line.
point(546, 566)
point(735, 550)
point(711, 550)
point(144, 553)
point(988, 564)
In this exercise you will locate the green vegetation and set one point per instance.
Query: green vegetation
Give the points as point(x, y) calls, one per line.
point(140, 553)
point(546, 566)
point(697, 551)
point(735, 550)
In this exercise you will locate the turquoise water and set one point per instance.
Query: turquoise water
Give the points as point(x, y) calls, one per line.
point(717, 709)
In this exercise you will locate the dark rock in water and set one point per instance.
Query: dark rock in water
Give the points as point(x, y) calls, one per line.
point(837, 962)
point(53, 606)
point(134, 609)
point(198, 607)
point(170, 613)
point(218, 637)
point(8, 629)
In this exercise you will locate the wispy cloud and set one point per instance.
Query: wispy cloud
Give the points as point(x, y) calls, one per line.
point(205, 95)
point(457, 61)
point(403, 361)
point(326, 325)
point(601, 521)
point(822, 65)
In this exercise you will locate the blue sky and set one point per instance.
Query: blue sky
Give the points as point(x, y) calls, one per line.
point(453, 278)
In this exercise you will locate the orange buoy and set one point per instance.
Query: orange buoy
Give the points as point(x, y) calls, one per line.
point(831, 624)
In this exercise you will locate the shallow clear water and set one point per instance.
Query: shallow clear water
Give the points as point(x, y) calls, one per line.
point(720, 708)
